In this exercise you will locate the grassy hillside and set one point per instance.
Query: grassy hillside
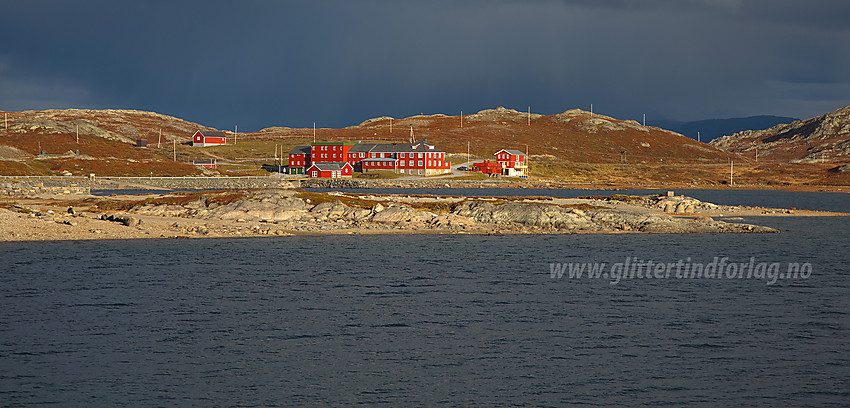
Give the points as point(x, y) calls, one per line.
point(573, 146)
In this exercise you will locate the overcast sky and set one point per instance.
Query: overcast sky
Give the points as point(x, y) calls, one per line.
point(291, 63)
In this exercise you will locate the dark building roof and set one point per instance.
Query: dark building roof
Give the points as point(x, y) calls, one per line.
point(325, 166)
point(212, 133)
point(420, 146)
point(362, 147)
point(300, 149)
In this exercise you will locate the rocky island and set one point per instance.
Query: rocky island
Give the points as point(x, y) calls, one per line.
point(283, 212)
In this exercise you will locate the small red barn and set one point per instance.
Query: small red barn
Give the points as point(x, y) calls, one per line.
point(330, 170)
point(488, 167)
point(204, 138)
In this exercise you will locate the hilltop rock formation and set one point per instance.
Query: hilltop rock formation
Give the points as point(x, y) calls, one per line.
point(824, 138)
point(500, 114)
point(111, 124)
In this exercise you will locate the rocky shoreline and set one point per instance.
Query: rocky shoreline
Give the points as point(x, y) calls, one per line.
point(285, 212)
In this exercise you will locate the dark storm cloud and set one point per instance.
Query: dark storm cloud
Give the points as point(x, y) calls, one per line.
point(265, 63)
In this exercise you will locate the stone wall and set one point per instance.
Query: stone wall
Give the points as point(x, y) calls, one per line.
point(195, 183)
point(423, 183)
point(37, 187)
point(33, 186)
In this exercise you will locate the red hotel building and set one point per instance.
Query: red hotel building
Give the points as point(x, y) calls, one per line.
point(418, 159)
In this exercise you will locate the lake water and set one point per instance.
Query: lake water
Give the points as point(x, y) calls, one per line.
point(425, 320)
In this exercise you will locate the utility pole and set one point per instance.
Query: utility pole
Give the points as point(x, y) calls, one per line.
point(529, 116)
point(467, 150)
point(731, 172)
point(235, 134)
point(391, 125)
point(461, 119)
point(314, 132)
point(159, 140)
point(644, 120)
point(78, 132)
point(591, 110)
point(6, 120)
point(757, 154)
point(412, 138)
point(698, 137)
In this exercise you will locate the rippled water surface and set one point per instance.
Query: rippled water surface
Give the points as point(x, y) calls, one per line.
point(423, 320)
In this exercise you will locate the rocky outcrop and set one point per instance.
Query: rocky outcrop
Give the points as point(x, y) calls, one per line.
point(401, 214)
point(536, 215)
point(602, 220)
point(625, 220)
point(500, 114)
point(283, 207)
point(268, 207)
point(682, 205)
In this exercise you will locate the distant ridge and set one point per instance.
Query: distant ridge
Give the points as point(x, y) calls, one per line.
point(819, 139)
point(710, 129)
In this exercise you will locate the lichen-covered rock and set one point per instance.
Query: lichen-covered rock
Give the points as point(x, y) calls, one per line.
point(538, 215)
point(451, 221)
point(396, 213)
point(625, 220)
point(331, 209)
point(480, 211)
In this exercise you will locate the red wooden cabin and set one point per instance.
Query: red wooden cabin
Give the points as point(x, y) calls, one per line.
point(204, 138)
point(330, 170)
